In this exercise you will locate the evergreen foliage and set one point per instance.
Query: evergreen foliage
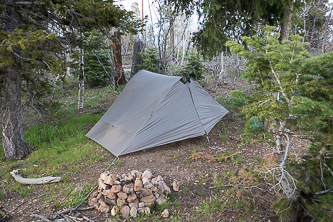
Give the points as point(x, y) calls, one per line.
point(34, 38)
point(150, 61)
point(305, 104)
point(223, 20)
point(97, 60)
point(194, 67)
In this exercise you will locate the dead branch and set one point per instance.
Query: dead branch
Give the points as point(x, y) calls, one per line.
point(40, 217)
point(41, 180)
point(73, 209)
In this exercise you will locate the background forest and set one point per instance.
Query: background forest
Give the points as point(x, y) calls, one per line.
point(270, 63)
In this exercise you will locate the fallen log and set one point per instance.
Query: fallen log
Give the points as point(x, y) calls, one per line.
point(17, 176)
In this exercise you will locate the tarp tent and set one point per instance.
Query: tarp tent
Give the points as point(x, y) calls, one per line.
point(153, 110)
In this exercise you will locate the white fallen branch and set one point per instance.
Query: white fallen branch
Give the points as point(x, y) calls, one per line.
point(17, 176)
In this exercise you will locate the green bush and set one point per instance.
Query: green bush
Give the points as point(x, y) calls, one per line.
point(150, 61)
point(98, 68)
point(230, 102)
point(194, 67)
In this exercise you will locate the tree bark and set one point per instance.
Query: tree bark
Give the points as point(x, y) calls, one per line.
point(81, 79)
point(285, 23)
point(172, 35)
point(136, 57)
point(13, 141)
point(120, 76)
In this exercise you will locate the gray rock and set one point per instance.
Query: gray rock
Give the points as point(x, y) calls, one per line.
point(114, 210)
point(138, 185)
point(147, 173)
point(134, 212)
point(125, 212)
point(165, 213)
point(147, 210)
point(135, 203)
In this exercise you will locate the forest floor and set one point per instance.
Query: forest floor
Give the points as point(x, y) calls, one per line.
point(209, 191)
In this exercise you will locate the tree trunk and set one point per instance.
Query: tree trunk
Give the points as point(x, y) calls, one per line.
point(172, 43)
point(81, 80)
point(13, 141)
point(120, 76)
point(285, 23)
point(136, 57)
point(172, 35)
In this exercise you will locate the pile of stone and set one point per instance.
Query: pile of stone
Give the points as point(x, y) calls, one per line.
point(130, 193)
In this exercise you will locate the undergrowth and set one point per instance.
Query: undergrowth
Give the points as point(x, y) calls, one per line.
point(60, 149)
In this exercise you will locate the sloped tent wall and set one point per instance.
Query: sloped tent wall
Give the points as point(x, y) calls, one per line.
point(153, 110)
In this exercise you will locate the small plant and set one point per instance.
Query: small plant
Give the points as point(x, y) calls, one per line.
point(239, 159)
point(177, 203)
point(185, 190)
point(57, 205)
point(194, 150)
point(231, 102)
point(118, 163)
point(175, 156)
point(1, 195)
point(77, 195)
point(199, 142)
point(223, 138)
point(200, 193)
point(25, 191)
point(187, 161)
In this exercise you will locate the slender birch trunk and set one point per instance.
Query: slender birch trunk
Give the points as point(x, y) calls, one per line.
point(81, 78)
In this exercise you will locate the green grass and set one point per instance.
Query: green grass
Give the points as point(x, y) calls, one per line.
point(175, 155)
point(1, 194)
point(60, 147)
point(76, 195)
point(223, 138)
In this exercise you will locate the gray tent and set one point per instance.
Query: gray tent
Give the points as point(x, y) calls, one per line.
point(153, 110)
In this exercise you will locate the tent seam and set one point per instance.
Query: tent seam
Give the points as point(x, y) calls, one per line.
point(151, 114)
point(189, 89)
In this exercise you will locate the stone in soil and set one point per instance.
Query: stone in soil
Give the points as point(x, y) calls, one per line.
point(125, 212)
point(109, 201)
point(131, 198)
point(148, 199)
point(141, 204)
point(128, 188)
point(134, 212)
point(145, 181)
point(114, 211)
point(175, 186)
point(93, 203)
point(104, 175)
point(120, 202)
point(101, 184)
point(144, 193)
point(110, 194)
point(167, 189)
point(137, 185)
point(122, 195)
point(147, 210)
point(165, 213)
point(147, 173)
point(116, 188)
point(135, 203)
point(103, 207)
point(161, 200)
point(110, 179)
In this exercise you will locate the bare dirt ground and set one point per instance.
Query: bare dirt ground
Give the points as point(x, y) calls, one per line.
point(196, 178)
